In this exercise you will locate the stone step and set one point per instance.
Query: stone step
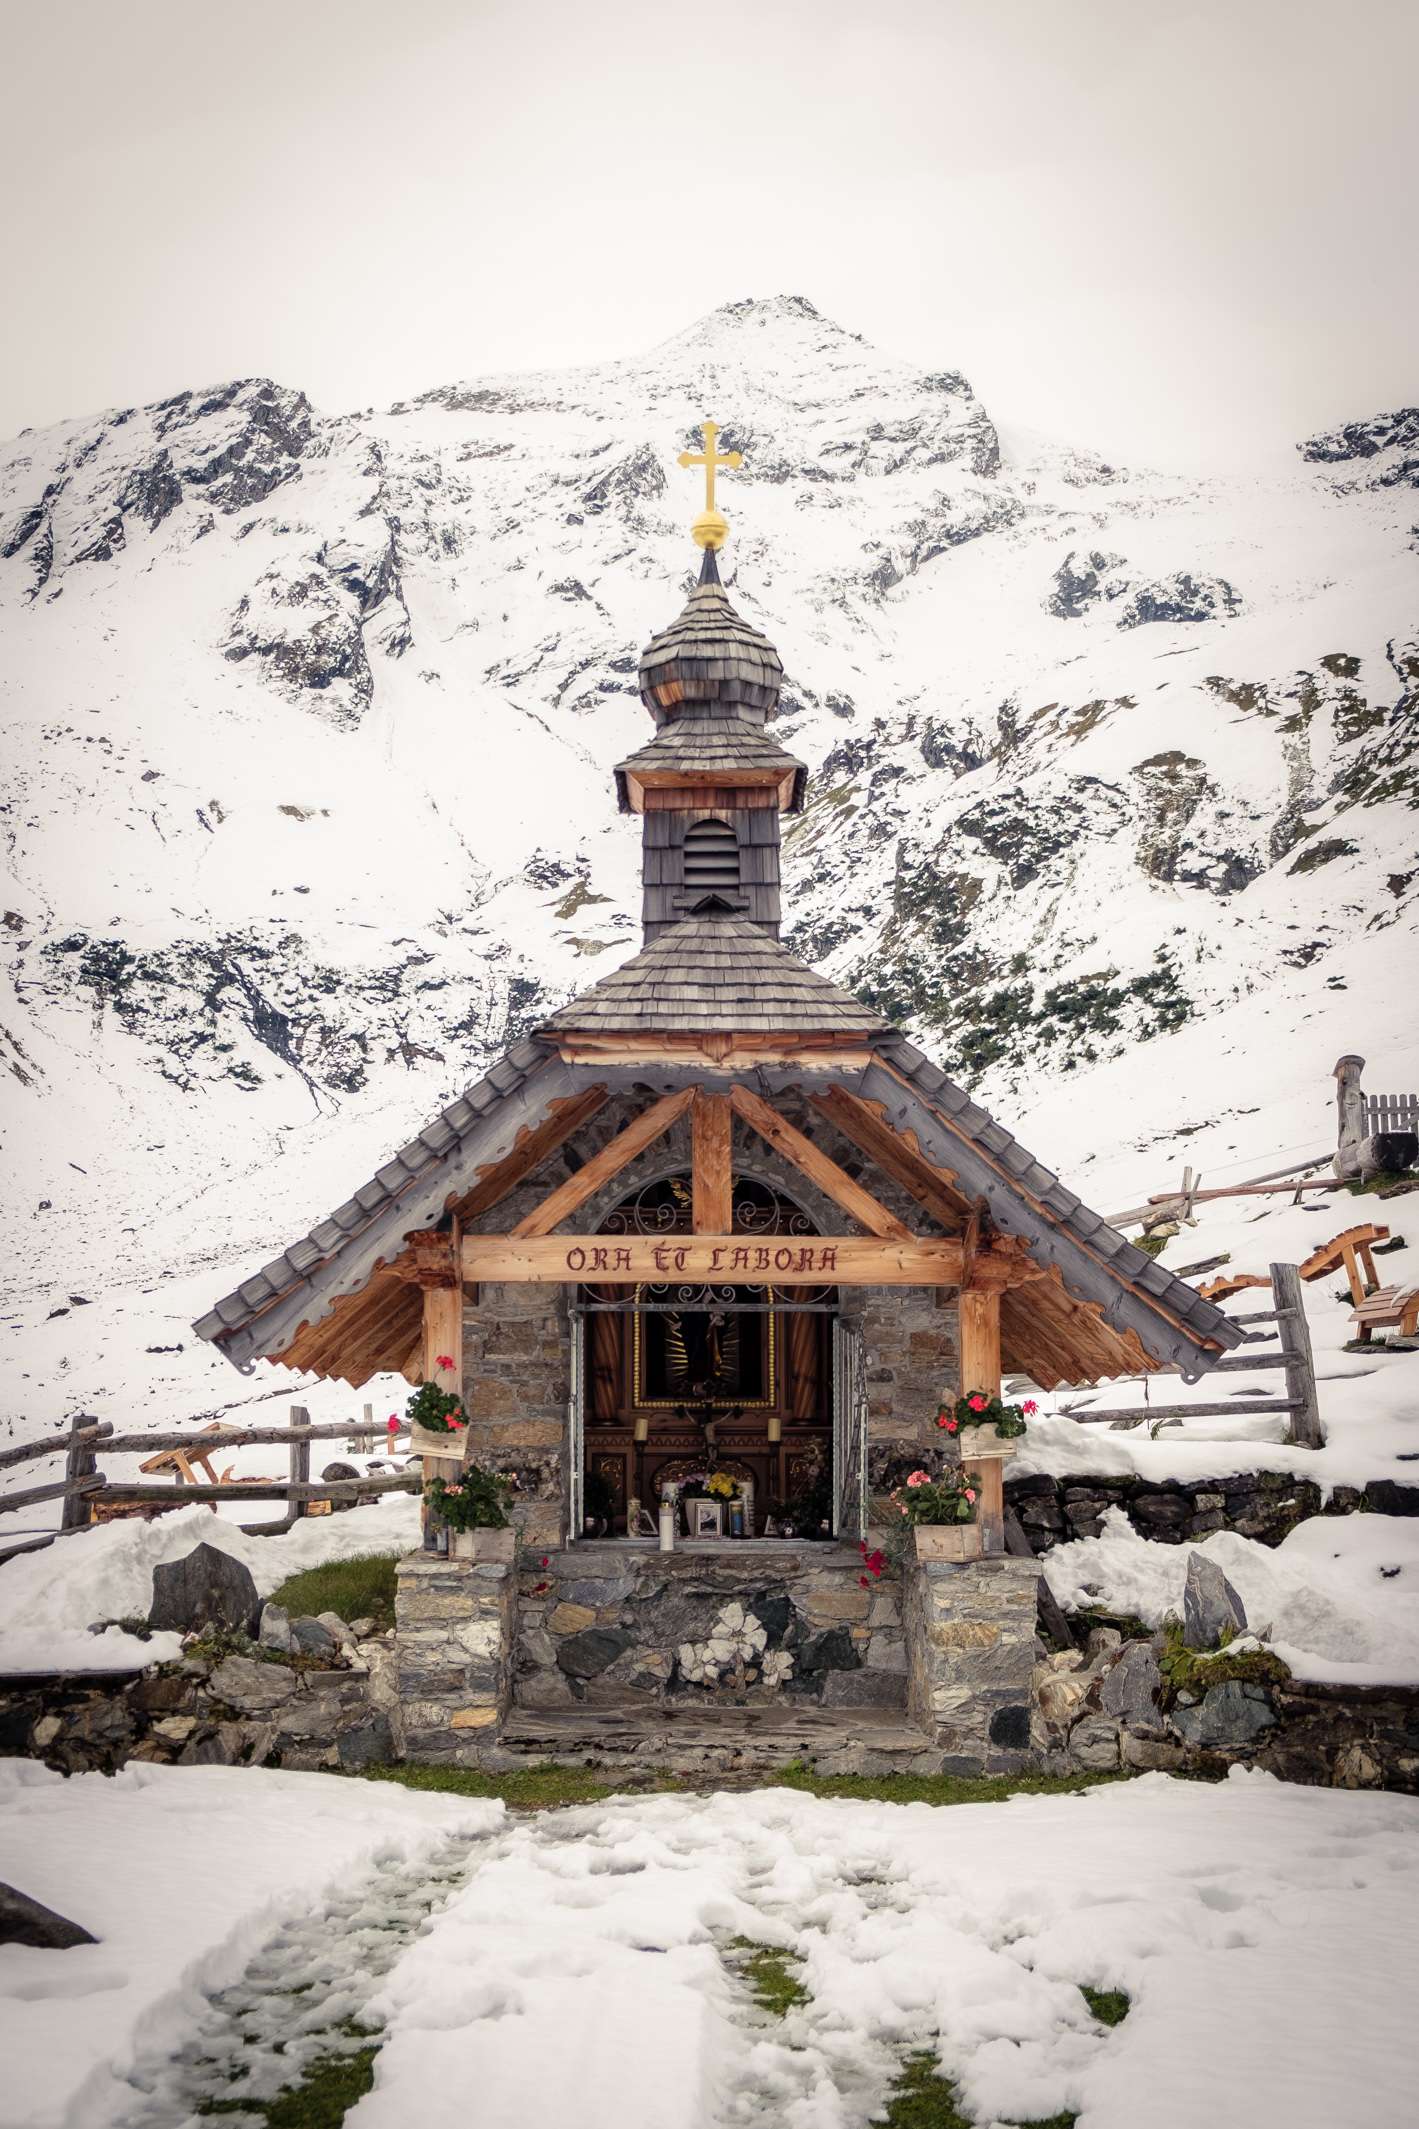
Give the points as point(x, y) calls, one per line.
point(728, 1741)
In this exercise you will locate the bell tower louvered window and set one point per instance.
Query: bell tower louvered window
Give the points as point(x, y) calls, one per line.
point(711, 859)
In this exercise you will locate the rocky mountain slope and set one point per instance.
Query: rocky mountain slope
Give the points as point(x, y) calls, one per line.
point(310, 721)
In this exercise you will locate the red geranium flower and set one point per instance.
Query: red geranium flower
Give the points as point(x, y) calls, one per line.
point(864, 1582)
point(976, 1402)
point(1029, 1406)
point(445, 1360)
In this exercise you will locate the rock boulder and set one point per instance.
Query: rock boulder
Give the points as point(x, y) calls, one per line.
point(207, 1588)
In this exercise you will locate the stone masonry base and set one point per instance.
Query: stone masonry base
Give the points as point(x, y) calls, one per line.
point(970, 1641)
point(453, 1642)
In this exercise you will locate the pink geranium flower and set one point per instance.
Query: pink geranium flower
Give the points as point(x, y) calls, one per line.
point(970, 1493)
point(953, 1426)
point(918, 1478)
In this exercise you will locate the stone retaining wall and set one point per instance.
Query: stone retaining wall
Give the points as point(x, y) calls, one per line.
point(970, 1643)
point(724, 1625)
point(1265, 1505)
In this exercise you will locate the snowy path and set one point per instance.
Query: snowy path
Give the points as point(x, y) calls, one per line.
point(581, 1967)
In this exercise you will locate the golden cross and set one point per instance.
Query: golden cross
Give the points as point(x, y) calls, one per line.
point(709, 459)
point(711, 528)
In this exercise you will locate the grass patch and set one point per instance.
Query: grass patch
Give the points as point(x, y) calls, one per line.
point(769, 1973)
point(353, 1589)
point(1109, 2006)
point(540, 1788)
point(934, 1788)
point(321, 2100)
point(921, 2098)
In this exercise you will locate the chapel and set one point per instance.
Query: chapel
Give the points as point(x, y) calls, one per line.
point(716, 1215)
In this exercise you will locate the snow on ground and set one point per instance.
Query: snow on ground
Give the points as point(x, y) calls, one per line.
point(182, 1873)
point(1263, 1933)
point(49, 1599)
point(1338, 1599)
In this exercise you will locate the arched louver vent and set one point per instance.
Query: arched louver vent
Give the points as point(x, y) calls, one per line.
point(711, 859)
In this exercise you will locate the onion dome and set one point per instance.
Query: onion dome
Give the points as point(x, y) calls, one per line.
point(710, 662)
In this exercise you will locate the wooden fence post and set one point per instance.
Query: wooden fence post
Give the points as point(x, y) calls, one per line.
point(300, 1460)
point(1305, 1427)
point(80, 1463)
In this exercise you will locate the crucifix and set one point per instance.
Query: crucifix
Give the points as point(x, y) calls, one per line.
point(711, 527)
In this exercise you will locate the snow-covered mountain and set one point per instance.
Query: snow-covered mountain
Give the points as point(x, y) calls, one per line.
point(308, 808)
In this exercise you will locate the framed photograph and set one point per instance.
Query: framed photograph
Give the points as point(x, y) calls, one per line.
point(706, 1518)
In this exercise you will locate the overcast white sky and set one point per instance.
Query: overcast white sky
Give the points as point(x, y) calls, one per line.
point(1180, 233)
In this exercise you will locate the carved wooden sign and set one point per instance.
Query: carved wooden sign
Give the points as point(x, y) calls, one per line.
point(729, 1260)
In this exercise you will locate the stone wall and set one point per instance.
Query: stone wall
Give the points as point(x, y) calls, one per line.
point(718, 1626)
point(454, 1624)
point(970, 1647)
point(225, 1706)
point(1257, 1504)
point(1108, 1707)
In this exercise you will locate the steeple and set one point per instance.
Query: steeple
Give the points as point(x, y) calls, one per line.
point(711, 784)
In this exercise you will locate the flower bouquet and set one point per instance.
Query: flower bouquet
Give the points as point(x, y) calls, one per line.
point(474, 1508)
point(941, 1514)
point(983, 1425)
point(437, 1421)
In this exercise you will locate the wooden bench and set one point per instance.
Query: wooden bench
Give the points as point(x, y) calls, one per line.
point(1350, 1251)
point(1226, 1284)
point(1392, 1308)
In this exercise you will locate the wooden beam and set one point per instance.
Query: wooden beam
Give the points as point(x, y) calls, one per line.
point(531, 1148)
point(729, 1053)
point(980, 1370)
point(897, 1153)
point(640, 1132)
point(819, 1167)
point(731, 1260)
point(711, 1163)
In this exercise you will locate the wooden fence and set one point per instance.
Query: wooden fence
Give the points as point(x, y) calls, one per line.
point(83, 1484)
point(1293, 1354)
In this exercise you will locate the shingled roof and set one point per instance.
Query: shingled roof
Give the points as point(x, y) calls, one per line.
point(710, 654)
point(713, 746)
point(715, 974)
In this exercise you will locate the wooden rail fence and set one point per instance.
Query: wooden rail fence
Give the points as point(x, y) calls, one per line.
point(1294, 1355)
point(83, 1484)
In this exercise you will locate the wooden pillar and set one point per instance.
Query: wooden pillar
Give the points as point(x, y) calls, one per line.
point(980, 1370)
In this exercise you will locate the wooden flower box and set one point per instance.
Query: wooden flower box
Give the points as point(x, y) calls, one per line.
point(480, 1545)
point(979, 1443)
point(947, 1541)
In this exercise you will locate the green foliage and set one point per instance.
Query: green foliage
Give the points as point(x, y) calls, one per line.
point(1188, 1670)
point(1152, 1245)
point(321, 2100)
point(769, 1973)
point(362, 1588)
point(546, 1787)
point(1109, 2006)
point(478, 1501)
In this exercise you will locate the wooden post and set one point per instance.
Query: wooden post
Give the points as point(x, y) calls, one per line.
point(1305, 1427)
point(300, 1461)
point(80, 1463)
point(980, 1370)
